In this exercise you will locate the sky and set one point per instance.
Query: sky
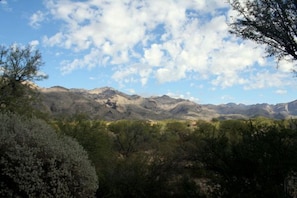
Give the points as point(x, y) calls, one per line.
point(180, 48)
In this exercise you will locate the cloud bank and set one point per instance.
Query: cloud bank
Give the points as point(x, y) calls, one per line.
point(161, 40)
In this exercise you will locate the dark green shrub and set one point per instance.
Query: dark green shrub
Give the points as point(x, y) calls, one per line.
point(246, 159)
point(36, 162)
point(131, 136)
point(94, 138)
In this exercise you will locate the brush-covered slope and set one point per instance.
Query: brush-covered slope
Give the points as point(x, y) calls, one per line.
point(110, 104)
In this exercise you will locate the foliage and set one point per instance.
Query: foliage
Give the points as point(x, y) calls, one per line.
point(230, 158)
point(255, 165)
point(269, 22)
point(131, 136)
point(94, 138)
point(36, 162)
point(19, 66)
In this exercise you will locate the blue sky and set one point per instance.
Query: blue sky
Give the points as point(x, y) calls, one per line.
point(180, 48)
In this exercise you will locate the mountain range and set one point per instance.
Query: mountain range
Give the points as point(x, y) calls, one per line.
point(109, 104)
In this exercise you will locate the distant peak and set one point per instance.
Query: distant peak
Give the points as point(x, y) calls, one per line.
point(57, 88)
point(101, 90)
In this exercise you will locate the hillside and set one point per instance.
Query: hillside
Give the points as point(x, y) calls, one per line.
point(109, 104)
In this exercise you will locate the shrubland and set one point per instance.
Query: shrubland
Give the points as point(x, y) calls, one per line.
point(42, 156)
point(231, 158)
point(72, 156)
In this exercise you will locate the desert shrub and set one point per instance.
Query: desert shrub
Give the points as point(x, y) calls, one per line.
point(36, 162)
point(131, 136)
point(94, 138)
point(245, 159)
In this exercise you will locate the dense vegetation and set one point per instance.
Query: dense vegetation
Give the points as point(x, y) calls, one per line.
point(134, 158)
point(36, 162)
point(19, 66)
point(233, 158)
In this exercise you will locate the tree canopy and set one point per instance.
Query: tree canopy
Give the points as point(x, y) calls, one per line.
point(19, 66)
point(21, 63)
point(269, 22)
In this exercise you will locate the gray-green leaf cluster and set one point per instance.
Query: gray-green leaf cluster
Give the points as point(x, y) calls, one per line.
point(36, 162)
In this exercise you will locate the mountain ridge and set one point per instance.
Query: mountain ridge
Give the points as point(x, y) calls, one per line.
point(110, 104)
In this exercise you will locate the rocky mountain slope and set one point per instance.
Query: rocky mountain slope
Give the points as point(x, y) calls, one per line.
point(109, 104)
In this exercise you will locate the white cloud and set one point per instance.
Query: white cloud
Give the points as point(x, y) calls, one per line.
point(165, 40)
point(187, 96)
point(36, 19)
point(127, 74)
point(153, 56)
point(57, 39)
point(34, 43)
point(281, 91)
point(286, 65)
point(227, 97)
point(170, 74)
point(264, 79)
point(90, 60)
point(4, 4)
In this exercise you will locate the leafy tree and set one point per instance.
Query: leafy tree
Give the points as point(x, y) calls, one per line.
point(148, 167)
point(205, 128)
point(19, 66)
point(269, 22)
point(92, 135)
point(94, 138)
point(174, 134)
point(177, 128)
point(233, 129)
point(36, 162)
point(251, 160)
point(131, 136)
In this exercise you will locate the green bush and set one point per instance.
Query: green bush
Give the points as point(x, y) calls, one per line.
point(36, 162)
point(253, 158)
